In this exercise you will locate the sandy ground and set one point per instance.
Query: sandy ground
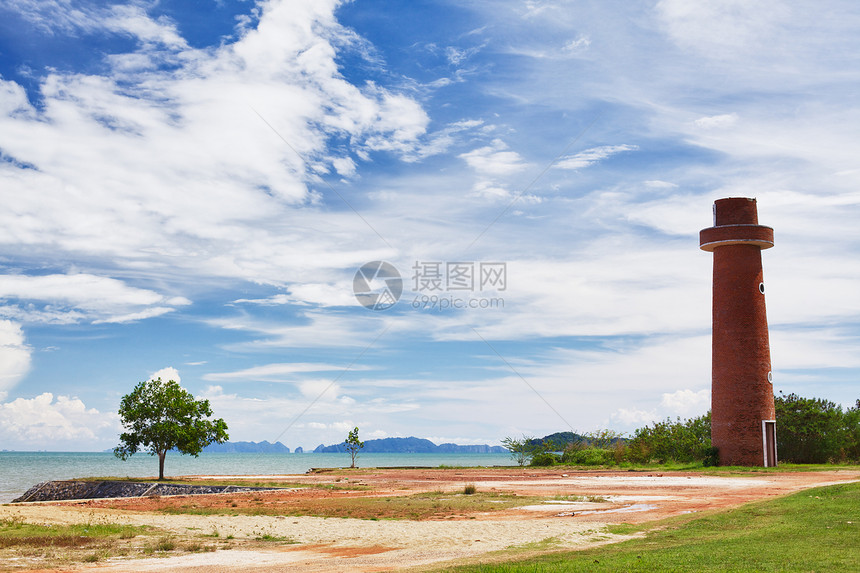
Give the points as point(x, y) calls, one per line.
point(343, 544)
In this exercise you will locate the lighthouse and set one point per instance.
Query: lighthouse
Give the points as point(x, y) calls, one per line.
point(743, 420)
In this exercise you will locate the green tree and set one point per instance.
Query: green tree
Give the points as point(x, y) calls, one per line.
point(161, 416)
point(810, 430)
point(603, 439)
point(851, 449)
point(353, 444)
point(601, 447)
point(521, 449)
point(680, 441)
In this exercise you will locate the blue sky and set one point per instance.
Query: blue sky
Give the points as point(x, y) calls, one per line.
point(189, 189)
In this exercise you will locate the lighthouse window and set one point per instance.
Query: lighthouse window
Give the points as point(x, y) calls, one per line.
point(770, 377)
point(761, 288)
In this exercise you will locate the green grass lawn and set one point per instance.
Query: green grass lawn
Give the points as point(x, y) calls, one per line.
point(814, 530)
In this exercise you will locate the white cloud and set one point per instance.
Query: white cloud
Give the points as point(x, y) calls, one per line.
point(716, 121)
point(490, 190)
point(133, 20)
point(212, 390)
point(54, 16)
point(687, 403)
point(14, 356)
point(440, 141)
point(631, 417)
point(325, 390)
point(73, 297)
point(657, 184)
point(337, 294)
point(293, 418)
point(166, 374)
point(315, 329)
point(204, 168)
point(457, 56)
point(678, 214)
point(277, 371)
point(725, 27)
point(495, 159)
point(273, 300)
point(60, 424)
point(580, 44)
point(591, 156)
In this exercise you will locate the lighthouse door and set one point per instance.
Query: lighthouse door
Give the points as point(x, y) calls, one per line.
point(769, 438)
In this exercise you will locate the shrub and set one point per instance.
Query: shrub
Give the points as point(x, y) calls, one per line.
point(589, 457)
point(165, 544)
point(545, 459)
point(680, 441)
point(603, 439)
point(521, 449)
point(712, 457)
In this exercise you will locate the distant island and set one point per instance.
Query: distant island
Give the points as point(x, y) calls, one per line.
point(263, 447)
point(411, 445)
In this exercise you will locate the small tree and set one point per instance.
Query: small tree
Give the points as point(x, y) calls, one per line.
point(521, 450)
point(161, 416)
point(353, 444)
point(681, 441)
point(603, 439)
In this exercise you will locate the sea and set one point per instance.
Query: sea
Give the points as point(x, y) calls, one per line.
point(21, 470)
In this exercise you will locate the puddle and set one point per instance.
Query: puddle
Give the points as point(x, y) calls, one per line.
point(636, 507)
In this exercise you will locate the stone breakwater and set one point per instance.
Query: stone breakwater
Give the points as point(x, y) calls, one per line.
point(65, 490)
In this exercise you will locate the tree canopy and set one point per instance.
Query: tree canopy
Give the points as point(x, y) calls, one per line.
point(161, 416)
point(353, 444)
point(814, 430)
point(522, 450)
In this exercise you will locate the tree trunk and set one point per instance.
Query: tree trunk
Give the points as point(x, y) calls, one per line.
point(161, 456)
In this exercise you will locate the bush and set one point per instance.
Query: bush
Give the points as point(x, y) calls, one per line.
point(589, 457)
point(545, 459)
point(603, 439)
point(680, 441)
point(712, 457)
point(521, 450)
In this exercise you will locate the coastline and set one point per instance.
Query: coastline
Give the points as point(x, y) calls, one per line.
point(19, 471)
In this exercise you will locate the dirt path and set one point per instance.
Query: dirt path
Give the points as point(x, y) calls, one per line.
point(342, 544)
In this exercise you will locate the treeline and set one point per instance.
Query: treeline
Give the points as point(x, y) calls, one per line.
point(809, 430)
point(815, 431)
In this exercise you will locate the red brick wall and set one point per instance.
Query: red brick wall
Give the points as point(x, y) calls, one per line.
point(741, 396)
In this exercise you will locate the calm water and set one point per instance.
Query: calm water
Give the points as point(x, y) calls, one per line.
point(21, 470)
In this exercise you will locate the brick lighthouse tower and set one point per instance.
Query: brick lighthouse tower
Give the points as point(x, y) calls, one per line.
point(743, 424)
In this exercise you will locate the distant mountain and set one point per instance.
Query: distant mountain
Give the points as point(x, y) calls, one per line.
point(559, 438)
point(411, 445)
point(263, 447)
point(562, 439)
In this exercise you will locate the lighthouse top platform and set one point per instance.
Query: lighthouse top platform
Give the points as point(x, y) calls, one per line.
point(735, 223)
